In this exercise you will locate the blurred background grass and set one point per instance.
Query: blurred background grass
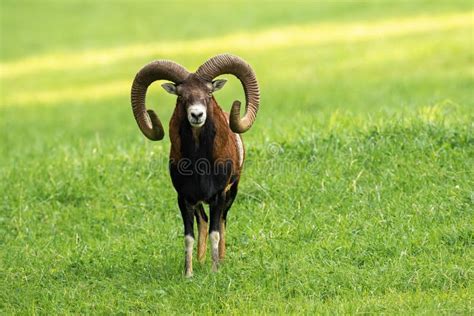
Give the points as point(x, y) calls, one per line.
point(359, 181)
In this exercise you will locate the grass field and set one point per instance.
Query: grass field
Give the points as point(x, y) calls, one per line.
point(358, 191)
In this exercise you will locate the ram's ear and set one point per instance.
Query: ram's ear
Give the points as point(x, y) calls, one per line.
point(218, 84)
point(169, 87)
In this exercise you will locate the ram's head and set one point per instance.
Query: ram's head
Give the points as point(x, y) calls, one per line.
point(194, 90)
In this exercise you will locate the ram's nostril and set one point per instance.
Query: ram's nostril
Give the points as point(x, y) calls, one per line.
point(197, 115)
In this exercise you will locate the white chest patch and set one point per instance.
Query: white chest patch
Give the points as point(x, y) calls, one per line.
point(240, 145)
point(240, 148)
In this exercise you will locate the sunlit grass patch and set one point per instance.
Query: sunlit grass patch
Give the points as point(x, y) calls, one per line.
point(405, 59)
point(287, 36)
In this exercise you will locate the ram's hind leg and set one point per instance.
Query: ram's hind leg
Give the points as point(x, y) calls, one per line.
point(222, 240)
point(202, 220)
point(230, 197)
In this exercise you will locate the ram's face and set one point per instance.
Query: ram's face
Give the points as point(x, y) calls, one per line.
point(195, 95)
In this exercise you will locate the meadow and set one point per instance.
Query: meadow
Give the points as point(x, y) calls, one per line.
point(358, 190)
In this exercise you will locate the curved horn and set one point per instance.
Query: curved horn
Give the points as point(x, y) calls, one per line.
point(147, 120)
point(230, 64)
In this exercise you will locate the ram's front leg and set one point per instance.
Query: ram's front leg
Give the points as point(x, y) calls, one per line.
point(216, 208)
point(187, 212)
point(203, 227)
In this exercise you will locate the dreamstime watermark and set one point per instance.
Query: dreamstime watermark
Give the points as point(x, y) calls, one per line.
point(272, 159)
point(274, 149)
point(202, 166)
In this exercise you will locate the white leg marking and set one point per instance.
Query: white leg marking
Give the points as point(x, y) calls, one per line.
point(215, 237)
point(188, 244)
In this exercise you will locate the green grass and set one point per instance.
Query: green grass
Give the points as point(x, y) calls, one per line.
point(358, 189)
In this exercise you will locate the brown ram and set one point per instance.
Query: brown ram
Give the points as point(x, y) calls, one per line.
point(207, 152)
